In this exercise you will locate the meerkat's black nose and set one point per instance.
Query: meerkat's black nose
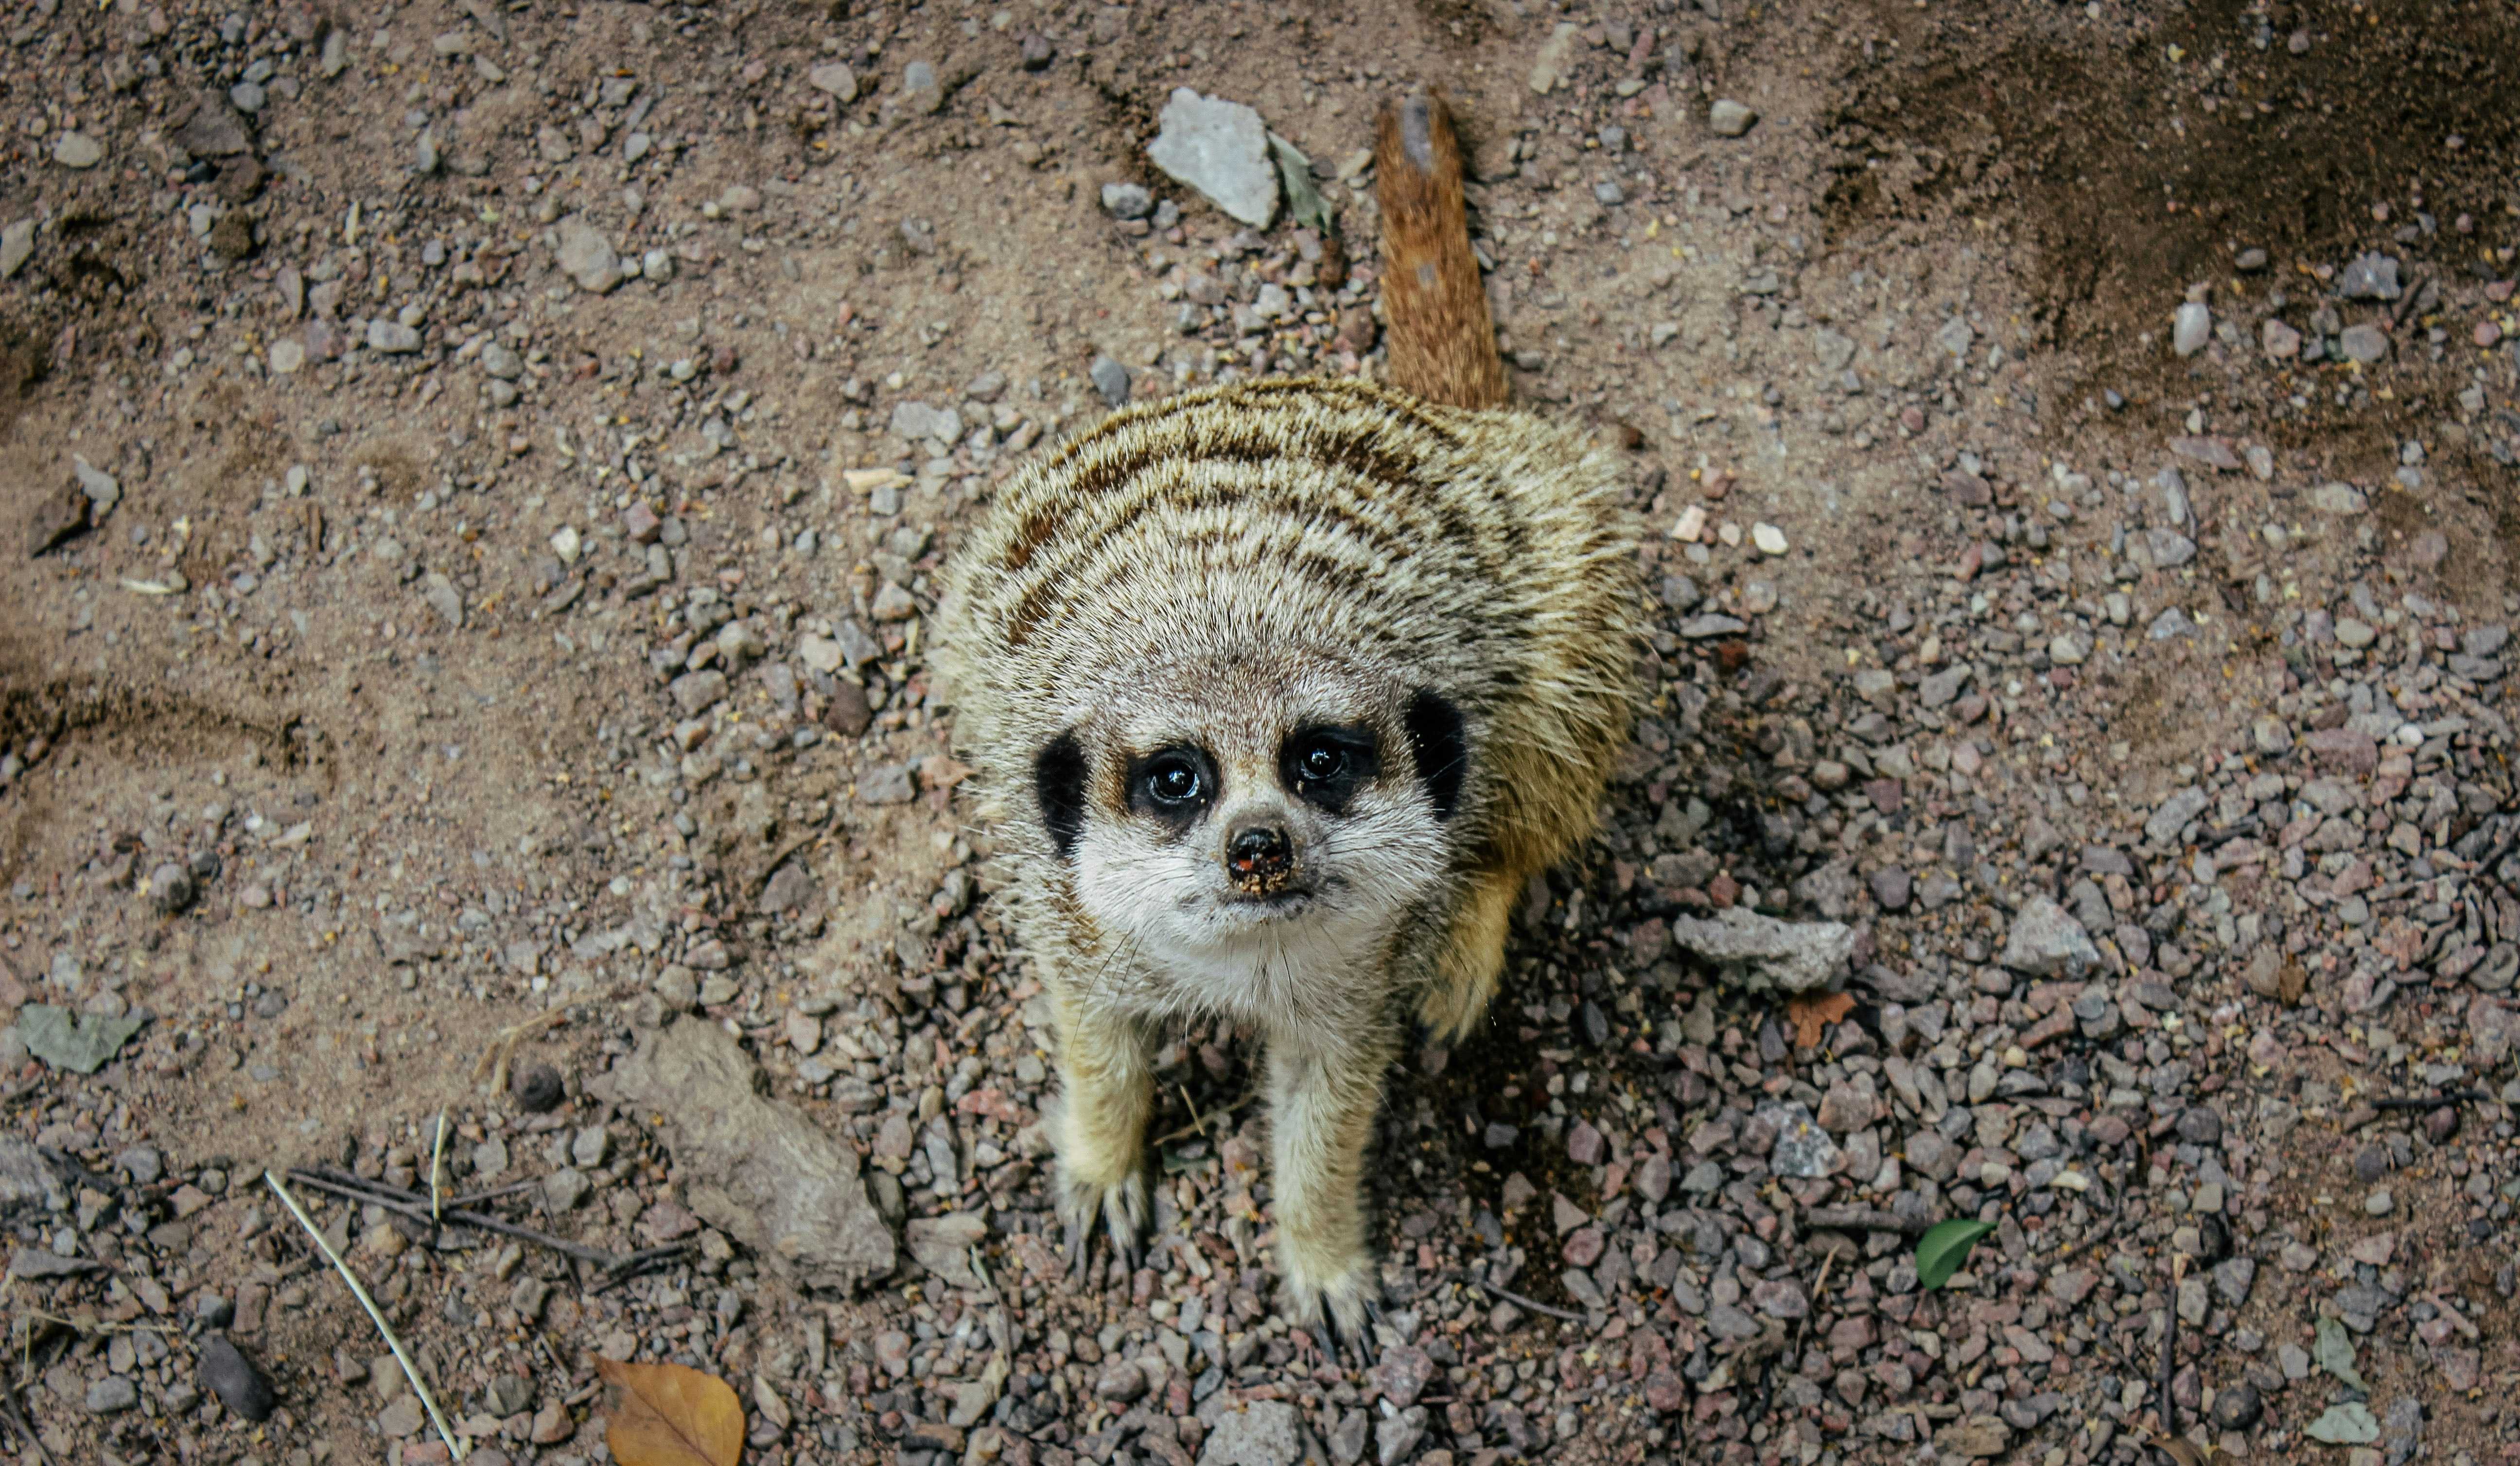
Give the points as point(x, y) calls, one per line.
point(1259, 849)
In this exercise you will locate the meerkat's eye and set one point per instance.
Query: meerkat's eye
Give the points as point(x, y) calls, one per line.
point(1173, 781)
point(1325, 766)
point(1173, 785)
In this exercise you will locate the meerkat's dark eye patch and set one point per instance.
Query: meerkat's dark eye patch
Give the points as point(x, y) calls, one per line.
point(1058, 777)
point(1326, 766)
point(1175, 785)
point(1443, 756)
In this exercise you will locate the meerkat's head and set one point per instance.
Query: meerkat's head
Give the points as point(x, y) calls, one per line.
point(1242, 821)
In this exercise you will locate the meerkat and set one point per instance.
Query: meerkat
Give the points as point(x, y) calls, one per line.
point(1278, 695)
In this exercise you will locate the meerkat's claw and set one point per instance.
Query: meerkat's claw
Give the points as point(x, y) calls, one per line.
point(1328, 1342)
point(1080, 1238)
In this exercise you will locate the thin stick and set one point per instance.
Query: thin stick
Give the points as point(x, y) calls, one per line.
point(437, 1165)
point(2431, 1101)
point(417, 1213)
point(2170, 1346)
point(1533, 1304)
point(411, 1371)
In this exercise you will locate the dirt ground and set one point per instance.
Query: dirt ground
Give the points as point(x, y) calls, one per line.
point(475, 478)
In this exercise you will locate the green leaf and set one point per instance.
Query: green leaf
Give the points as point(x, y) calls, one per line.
point(2333, 1350)
point(2345, 1425)
point(1944, 1247)
point(1303, 200)
point(70, 1040)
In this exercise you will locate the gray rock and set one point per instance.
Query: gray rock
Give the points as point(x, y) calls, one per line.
point(1396, 1436)
point(775, 1181)
point(1549, 64)
point(587, 256)
point(1347, 1437)
point(16, 246)
point(2485, 641)
point(2236, 1407)
point(2369, 277)
point(2173, 485)
point(171, 888)
point(490, 1158)
point(1729, 118)
point(111, 1395)
point(2191, 327)
point(1760, 953)
point(76, 150)
point(1891, 887)
point(103, 490)
point(2173, 622)
point(1701, 628)
point(393, 338)
point(565, 1187)
point(1803, 1148)
point(835, 78)
point(1111, 380)
point(227, 1373)
point(1944, 686)
point(697, 692)
point(2163, 827)
point(2044, 942)
point(214, 130)
point(2366, 344)
point(1606, 193)
point(1220, 148)
point(248, 95)
point(1127, 201)
point(918, 421)
point(1953, 335)
point(1263, 1433)
point(591, 1146)
point(889, 784)
point(921, 88)
point(502, 362)
point(2170, 549)
point(943, 1246)
point(2338, 498)
point(142, 1163)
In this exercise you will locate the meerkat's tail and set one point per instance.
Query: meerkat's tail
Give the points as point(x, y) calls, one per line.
point(1441, 344)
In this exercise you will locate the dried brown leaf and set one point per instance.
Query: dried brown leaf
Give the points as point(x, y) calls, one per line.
point(672, 1416)
point(1813, 1013)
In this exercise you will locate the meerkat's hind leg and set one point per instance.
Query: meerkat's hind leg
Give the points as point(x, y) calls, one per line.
point(1465, 974)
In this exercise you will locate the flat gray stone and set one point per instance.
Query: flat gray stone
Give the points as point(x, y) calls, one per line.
point(103, 489)
point(1127, 201)
point(2191, 327)
point(393, 338)
point(76, 150)
point(1760, 953)
point(2363, 343)
point(2165, 823)
point(587, 256)
point(2338, 498)
point(891, 784)
point(2369, 277)
point(1263, 1433)
point(1701, 628)
point(775, 1181)
point(1803, 1148)
point(16, 246)
point(214, 130)
point(1111, 380)
point(835, 78)
point(1220, 148)
point(111, 1395)
point(2046, 941)
point(918, 421)
point(1729, 118)
point(1943, 687)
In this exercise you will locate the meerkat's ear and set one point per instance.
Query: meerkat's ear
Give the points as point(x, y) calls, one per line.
point(1442, 341)
point(1058, 775)
point(1435, 741)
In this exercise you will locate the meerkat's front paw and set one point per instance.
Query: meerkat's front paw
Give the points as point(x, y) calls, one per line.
point(1102, 1178)
point(1452, 1011)
point(1334, 1299)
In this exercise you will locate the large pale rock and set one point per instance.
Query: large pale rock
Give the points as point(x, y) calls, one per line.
point(758, 1171)
point(1220, 148)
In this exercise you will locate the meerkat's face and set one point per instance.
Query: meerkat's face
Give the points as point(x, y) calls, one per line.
point(1230, 822)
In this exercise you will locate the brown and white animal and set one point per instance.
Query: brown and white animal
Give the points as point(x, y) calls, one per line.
point(1280, 694)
